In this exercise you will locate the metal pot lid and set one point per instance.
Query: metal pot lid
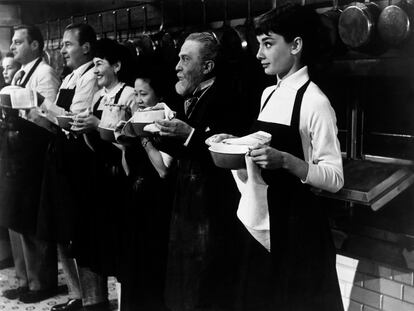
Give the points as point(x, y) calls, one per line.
point(356, 24)
point(394, 25)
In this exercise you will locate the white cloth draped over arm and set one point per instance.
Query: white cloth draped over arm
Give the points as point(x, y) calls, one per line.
point(253, 209)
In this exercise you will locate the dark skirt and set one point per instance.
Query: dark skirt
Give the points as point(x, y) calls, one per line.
point(145, 236)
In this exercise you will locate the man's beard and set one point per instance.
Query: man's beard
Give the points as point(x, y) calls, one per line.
point(181, 87)
point(187, 86)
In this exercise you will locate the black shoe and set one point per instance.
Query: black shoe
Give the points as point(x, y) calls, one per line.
point(70, 305)
point(6, 263)
point(15, 293)
point(33, 296)
point(102, 306)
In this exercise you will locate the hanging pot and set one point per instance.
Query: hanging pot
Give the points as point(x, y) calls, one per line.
point(395, 23)
point(330, 19)
point(163, 40)
point(185, 31)
point(143, 43)
point(246, 33)
point(357, 24)
point(229, 39)
point(177, 33)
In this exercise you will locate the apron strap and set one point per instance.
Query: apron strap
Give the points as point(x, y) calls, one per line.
point(267, 99)
point(294, 121)
point(31, 72)
point(118, 94)
point(96, 112)
point(87, 69)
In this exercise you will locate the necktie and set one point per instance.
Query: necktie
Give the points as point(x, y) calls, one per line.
point(19, 77)
point(189, 104)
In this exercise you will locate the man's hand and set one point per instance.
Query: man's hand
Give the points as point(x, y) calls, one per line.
point(174, 128)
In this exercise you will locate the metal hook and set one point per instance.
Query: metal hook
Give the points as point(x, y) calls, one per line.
point(144, 29)
point(59, 32)
point(114, 15)
point(101, 24)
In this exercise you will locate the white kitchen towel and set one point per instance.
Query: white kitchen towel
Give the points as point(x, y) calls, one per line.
point(253, 209)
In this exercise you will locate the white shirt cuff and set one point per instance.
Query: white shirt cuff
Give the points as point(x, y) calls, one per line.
point(187, 141)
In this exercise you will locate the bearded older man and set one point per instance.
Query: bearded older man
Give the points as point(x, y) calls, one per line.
point(203, 228)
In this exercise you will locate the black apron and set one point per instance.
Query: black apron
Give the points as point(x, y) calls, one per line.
point(101, 226)
point(22, 152)
point(69, 167)
point(65, 96)
point(303, 259)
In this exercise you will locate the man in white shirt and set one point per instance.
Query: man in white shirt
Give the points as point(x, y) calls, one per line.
point(59, 218)
point(35, 260)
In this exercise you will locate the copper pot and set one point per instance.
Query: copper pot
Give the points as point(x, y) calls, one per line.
point(357, 24)
point(395, 23)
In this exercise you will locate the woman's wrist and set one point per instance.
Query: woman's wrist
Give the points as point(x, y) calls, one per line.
point(145, 141)
point(294, 165)
point(286, 161)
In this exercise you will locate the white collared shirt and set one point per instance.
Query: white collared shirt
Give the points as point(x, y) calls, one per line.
point(317, 127)
point(126, 100)
point(86, 87)
point(44, 80)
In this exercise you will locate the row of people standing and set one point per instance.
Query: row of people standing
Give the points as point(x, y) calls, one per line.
point(89, 193)
point(80, 185)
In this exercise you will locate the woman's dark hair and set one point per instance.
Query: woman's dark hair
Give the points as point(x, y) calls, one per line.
point(155, 78)
point(162, 81)
point(114, 52)
point(291, 21)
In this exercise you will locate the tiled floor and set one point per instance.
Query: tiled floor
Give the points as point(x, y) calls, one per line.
point(7, 281)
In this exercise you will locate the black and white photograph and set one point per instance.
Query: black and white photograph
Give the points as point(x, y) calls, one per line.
point(206, 155)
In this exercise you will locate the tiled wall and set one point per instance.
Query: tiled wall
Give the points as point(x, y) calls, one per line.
point(367, 285)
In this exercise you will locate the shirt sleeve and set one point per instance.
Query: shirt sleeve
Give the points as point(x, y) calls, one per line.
point(48, 83)
point(321, 145)
point(86, 87)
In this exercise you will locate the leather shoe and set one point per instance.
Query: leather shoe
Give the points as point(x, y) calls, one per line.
point(70, 305)
point(33, 296)
point(6, 263)
point(102, 306)
point(15, 293)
